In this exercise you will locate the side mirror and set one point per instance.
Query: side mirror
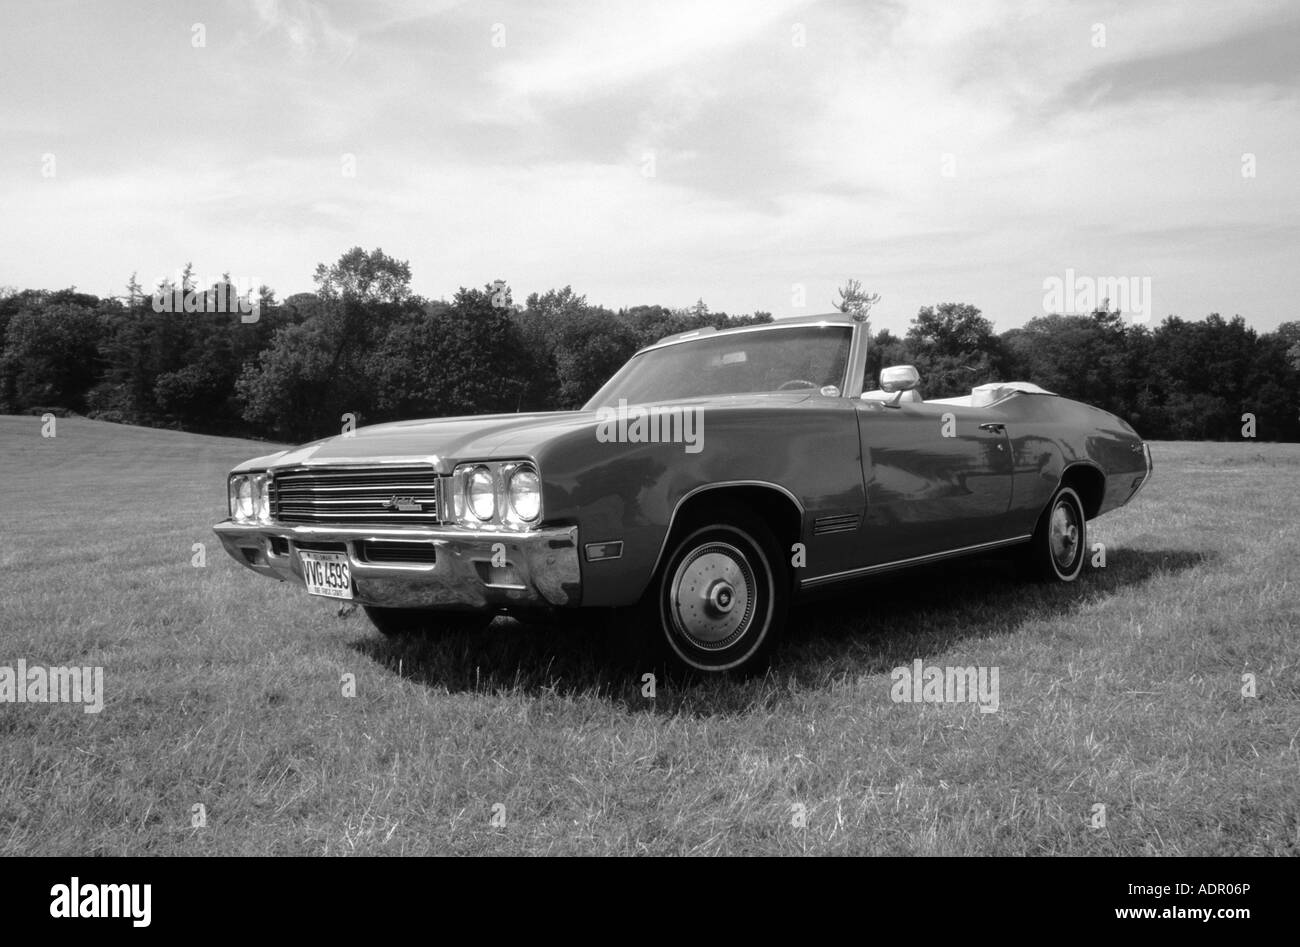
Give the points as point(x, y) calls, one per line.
point(899, 378)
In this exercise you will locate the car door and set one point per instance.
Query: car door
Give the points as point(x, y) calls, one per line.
point(937, 478)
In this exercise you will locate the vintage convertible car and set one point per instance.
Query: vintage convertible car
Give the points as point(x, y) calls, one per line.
point(715, 478)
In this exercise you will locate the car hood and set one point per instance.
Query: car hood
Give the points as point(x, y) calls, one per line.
point(444, 442)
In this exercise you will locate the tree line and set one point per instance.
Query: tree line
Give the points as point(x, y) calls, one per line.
point(364, 344)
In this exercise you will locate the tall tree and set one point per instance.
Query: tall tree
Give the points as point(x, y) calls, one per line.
point(365, 278)
point(855, 301)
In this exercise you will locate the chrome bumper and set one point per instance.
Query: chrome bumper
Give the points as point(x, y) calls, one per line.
point(1146, 477)
point(540, 566)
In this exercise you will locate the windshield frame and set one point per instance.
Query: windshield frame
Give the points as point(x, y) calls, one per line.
point(854, 361)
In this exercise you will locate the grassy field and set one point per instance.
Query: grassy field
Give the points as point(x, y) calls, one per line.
point(223, 690)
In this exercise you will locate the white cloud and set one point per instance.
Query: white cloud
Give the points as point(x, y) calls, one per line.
point(598, 48)
point(306, 26)
point(775, 163)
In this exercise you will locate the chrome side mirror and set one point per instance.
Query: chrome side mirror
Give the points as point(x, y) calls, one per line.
point(899, 378)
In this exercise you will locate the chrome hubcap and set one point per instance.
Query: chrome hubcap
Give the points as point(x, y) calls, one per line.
point(722, 597)
point(1064, 535)
point(712, 596)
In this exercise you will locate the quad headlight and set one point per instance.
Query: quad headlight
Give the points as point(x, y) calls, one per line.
point(497, 494)
point(250, 498)
point(524, 493)
point(481, 494)
point(241, 498)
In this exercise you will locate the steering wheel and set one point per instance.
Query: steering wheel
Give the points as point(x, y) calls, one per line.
point(796, 382)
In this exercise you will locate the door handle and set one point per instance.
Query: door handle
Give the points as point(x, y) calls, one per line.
point(993, 427)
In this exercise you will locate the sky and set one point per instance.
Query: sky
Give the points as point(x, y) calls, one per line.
point(755, 155)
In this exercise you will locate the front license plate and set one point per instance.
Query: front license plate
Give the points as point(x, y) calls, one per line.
point(327, 574)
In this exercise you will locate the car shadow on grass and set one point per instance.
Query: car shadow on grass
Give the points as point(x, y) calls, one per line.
point(892, 620)
point(868, 629)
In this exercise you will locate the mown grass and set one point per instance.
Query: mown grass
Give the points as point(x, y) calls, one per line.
point(223, 689)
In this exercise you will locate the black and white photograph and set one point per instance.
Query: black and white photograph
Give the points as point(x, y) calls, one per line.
point(712, 428)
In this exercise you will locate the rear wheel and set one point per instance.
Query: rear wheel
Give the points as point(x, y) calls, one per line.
point(1060, 541)
point(719, 601)
point(395, 622)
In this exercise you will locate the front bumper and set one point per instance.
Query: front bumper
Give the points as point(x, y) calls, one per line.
point(468, 570)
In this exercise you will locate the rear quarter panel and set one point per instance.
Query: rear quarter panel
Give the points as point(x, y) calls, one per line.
point(1050, 434)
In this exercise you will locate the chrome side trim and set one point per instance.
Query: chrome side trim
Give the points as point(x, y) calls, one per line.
point(914, 561)
point(382, 460)
point(672, 520)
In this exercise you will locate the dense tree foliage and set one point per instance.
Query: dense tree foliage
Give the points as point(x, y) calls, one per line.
point(954, 347)
point(364, 344)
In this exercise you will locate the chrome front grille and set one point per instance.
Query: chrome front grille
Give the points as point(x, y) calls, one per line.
point(373, 495)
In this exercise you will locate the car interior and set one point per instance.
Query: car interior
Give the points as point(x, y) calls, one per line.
point(981, 396)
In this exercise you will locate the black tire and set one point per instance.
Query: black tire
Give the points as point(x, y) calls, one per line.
point(1060, 541)
point(718, 602)
point(401, 622)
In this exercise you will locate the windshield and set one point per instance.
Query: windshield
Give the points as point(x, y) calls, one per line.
point(799, 358)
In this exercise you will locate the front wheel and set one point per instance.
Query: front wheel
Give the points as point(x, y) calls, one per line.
point(1060, 541)
point(719, 601)
point(399, 622)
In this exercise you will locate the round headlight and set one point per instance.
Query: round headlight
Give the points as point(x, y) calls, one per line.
point(244, 498)
point(525, 494)
point(481, 493)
